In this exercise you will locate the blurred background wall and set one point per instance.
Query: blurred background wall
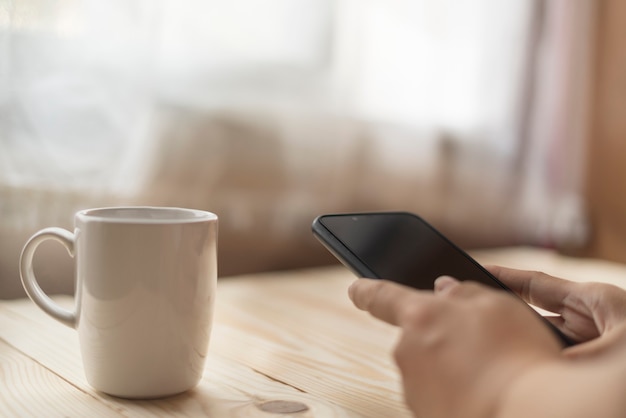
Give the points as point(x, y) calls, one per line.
point(476, 114)
point(606, 144)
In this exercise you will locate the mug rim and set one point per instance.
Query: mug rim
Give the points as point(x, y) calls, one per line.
point(152, 215)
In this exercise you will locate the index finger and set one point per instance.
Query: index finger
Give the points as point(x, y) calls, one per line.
point(383, 299)
point(537, 288)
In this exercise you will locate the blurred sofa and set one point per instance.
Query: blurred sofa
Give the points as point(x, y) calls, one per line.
point(267, 176)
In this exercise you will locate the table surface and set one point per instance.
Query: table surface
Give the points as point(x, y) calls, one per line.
point(285, 344)
point(282, 344)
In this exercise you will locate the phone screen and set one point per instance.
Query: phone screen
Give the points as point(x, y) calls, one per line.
point(403, 248)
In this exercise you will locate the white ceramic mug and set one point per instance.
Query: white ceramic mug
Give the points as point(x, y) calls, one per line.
point(145, 288)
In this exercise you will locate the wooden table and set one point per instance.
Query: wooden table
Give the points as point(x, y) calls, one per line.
point(286, 344)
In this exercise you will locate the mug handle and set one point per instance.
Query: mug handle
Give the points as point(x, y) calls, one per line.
point(29, 281)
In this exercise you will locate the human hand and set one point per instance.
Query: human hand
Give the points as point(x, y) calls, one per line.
point(591, 313)
point(460, 346)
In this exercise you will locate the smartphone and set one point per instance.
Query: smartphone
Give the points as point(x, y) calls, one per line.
point(404, 248)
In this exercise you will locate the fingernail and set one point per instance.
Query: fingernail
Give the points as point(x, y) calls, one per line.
point(351, 290)
point(445, 282)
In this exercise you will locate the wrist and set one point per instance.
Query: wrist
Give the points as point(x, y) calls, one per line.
point(516, 391)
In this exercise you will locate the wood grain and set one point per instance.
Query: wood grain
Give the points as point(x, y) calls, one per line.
point(31, 390)
point(287, 345)
point(309, 321)
point(284, 344)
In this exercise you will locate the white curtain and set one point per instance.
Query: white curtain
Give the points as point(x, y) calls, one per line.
point(455, 65)
point(74, 91)
point(80, 79)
